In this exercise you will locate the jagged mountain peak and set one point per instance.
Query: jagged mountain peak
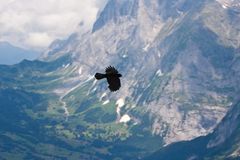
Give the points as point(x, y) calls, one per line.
point(114, 9)
point(139, 9)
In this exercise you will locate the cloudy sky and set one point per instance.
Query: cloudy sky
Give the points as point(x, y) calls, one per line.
point(36, 23)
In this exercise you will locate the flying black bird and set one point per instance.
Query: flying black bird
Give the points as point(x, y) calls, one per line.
point(112, 76)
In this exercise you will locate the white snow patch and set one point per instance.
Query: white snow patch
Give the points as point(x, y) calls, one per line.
point(94, 82)
point(179, 12)
point(125, 56)
point(120, 103)
point(65, 66)
point(224, 3)
point(106, 102)
point(118, 112)
point(133, 105)
point(135, 123)
point(94, 89)
point(223, 6)
point(103, 95)
point(125, 118)
point(146, 47)
point(159, 73)
point(80, 70)
point(90, 77)
point(135, 83)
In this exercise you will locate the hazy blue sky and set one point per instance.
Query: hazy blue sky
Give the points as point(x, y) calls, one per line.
point(36, 23)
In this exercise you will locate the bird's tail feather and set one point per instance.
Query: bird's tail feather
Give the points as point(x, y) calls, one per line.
point(100, 76)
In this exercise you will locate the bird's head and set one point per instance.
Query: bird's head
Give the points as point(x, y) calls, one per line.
point(119, 75)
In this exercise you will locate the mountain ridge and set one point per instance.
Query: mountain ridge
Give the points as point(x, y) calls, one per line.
point(11, 54)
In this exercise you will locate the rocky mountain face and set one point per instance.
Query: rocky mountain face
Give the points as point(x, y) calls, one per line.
point(175, 57)
point(233, 4)
point(180, 65)
point(222, 144)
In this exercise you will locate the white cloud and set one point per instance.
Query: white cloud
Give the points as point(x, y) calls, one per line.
point(38, 39)
point(35, 24)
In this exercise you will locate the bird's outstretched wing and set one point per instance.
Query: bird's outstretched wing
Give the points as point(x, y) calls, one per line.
point(111, 70)
point(114, 83)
